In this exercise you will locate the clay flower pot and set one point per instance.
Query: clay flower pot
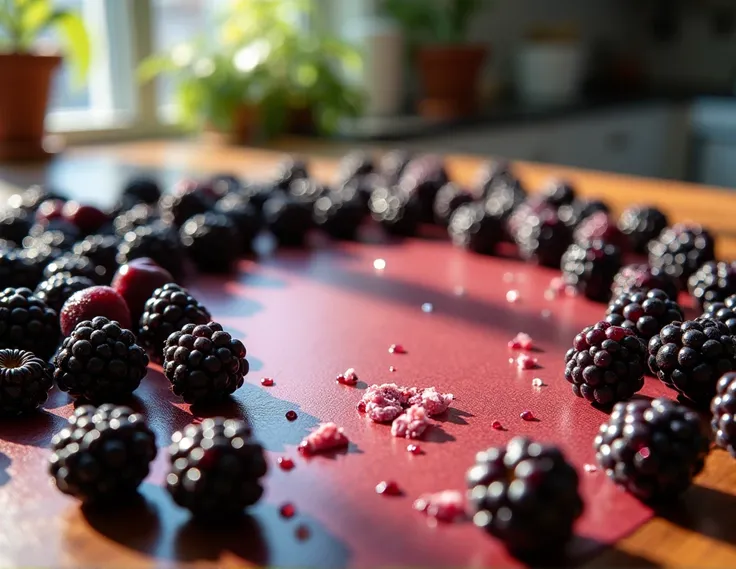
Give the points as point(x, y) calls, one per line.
point(449, 76)
point(26, 81)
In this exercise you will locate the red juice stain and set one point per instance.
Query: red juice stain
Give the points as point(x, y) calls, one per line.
point(497, 426)
point(287, 511)
point(388, 487)
point(527, 415)
point(391, 368)
point(285, 463)
point(291, 415)
point(414, 449)
point(267, 382)
point(302, 533)
point(396, 349)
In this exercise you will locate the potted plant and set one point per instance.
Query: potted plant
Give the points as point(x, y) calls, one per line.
point(449, 67)
point(26, 72)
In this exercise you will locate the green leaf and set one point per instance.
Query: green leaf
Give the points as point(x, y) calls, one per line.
point(156, 65)
point(34, 17)
point(73, 35)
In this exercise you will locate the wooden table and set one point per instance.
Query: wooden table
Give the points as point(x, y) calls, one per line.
point(700, 531)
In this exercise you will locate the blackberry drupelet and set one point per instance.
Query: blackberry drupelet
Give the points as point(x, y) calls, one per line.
point(212, 241)
point(606, 364)
point(723, 312)
point(288, 170)
point(103, 455)
point(641, 224)
point(75, 265)
point(244, 216)
point(653, 449)
point(422, 178)
point(169, 309)
point(17, 270)
point(25, 381)
point(177, 208)
point(102, 251)
point(27, 323)
point(144, 190)
point(543, 238)
point(713, 282)
point(723, 408)
point(100, 362)
point(57, 289)
point(398, 212)
point(689, 357)
point(392, 166)
point(557, 193)
point(680, 250)
point(340, 214)
point(641, 277)
point(525, 494)
point(600, 226)
point(204, 363)
point(288, 219)
point(579, 210)
point(473, 228)
point(590, 269)
point(644, 313)
point(448, 199)
point(14, 225)
point(216, 468)
point(158, 242)
point(137, 216)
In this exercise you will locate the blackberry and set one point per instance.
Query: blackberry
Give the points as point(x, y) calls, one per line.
point(606, 364)
point(32, 197)
point(355, 164)
point(169, 309)
point(422, 178)
point(204, 363)
point(723, 312)
point(177, 208)
point(517, 217)
point(543, 238)
point(75, 265)
point(6, 245)
point(340, 214)
point(137, 216)
point(157, 242)
point(225, 184)
point(723, 408)
point(680, 250)
point(14, 225)
point(493, 175)
point(243, 215)
point(288, 170)
point(258, 194)
point(57, 289)
point(641, 224)
point(579, 210)
point(653, 449)
point(143, 190)
point(25, 381)
point(102, 251)
point(395, 210)
point(288, 219)
point(27, 323)
point(644, 313)
point(103, 454)
point(600, 227)
point(689, 357)
point(590, 269)
point(503, 197)
point(557, 193)
point(17, 270)
point(60, 239)
point(473, 228)
point(100, 362)
point(392, 166)
point(362, 186)
point(525, 494)
point(641, 277)
point(448, 199)
point(307, 190)
point(713, 282)
point(212, 241)
point(216, 468)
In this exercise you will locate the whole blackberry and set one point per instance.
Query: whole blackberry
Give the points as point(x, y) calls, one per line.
point(579, 210)
point(243, 215)
point(144, 190)
point(102, 251)
point(473, 228)
point(216, 468)
point(392, 166)
point(644, 313)
point(224, 184)
point(680, 250)
point(25, 381)
point(61, 239)
point(653, 449)
point(307, 190)
point(157, 242)
point(525, 494)
point(723, 312)
point(27, 323)
point(492, 175)
point(288, 219)
point(340, 214)
point(517, 218)
point(177, 208)
point(590, 269)
point(137, 216)
point(288, 170)
point(642, 277)
point(169, 309)
point(103, 455)
point(641, 224)
point(33, 196)
point(606, 364)
point(503, 199)
point(689, 357)
point(713, 282)
point(14, 225)
point(362, 186)
point(395, 210)
point(600, 227)
point(212, 241)
point(543, 238)
point(557, 193)
point(100, 362)
point(448, 199)
point(204, 363)
point(258, 194)
point(422, 178)
point(57, 289)
point(723, 408)
point(17, 270)
point(355, 164)
point(75, 265)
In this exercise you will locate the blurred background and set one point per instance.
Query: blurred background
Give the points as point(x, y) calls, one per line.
point(641, 87)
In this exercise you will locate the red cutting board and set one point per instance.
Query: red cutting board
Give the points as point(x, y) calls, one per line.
point(305, 317)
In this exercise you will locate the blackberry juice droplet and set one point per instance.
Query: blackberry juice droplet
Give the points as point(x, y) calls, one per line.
point(291, 415)
point(287, 511)
point(285, 463)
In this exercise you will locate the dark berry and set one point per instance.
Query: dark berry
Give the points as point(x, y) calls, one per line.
point(225, 184)
point(689, 357)
point(25, 381)
point(606, 364)
point(100, 362)
point(137, 216)
point(86, 218)
point(144, 190)
point(525, 494)
point(644, 313)
point(579, 210)
point(75, 265)
point(17, 270)
point(59, 235)
point(91, 302)
point(422, 179)
point(32, 197)
point(59, 288)
point(723, 408)
point(473, 228)
point(49, 210)
point(493, 175)
point(723, 312)
point(27, 323)
point(157, 242)
point(136, 281)
point(177, 208)
point(395, 210)
point(517, 217)
point(340, 214)
point(169, 309)
point(288, 219)
point(652, 448)
point(102, 251)
point(543, 238)
point(258, 194)
point(557, 193)
point(600, 227)
point(244, 216)
point(212, 242)
point(503, 197)
point(680, 250)
point(307, 190)
point(642, 277)
point(355, 164)
point(713, 282)
point(216, 468)
point(14, 225)
point(448, 199)
point(590, 269)
point(392, 166)
point(103, 454)
point(288, 170)
point(641, 224)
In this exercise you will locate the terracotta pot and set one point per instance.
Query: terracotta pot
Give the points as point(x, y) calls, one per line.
point(23, 100)
point(244, 130)
point(449, 75)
